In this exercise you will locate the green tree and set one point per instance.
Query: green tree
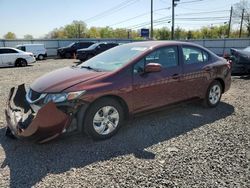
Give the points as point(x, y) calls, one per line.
point(162, 33)
point(77, 29)
point(180, 33)
point(190, 35)
point(57, 34)
point(94, 32)
point(28, 37)
point(106, 32)
point(120, 33)
point(10, 35)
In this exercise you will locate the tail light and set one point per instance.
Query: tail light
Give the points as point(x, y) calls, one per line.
point(226, 55)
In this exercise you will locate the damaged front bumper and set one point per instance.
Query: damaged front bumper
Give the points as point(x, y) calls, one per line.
point(23, 122)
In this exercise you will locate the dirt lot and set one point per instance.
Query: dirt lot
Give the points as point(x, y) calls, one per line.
point(187, 146)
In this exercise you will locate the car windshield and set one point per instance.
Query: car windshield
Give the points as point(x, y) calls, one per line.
point(93, 46)
point(247, 49)
point(71, 44)
point(114, 58)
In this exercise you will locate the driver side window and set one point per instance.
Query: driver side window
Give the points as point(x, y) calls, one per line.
point(139, 67)
point(167, 57)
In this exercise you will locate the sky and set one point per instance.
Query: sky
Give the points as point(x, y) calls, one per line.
point(39, 17)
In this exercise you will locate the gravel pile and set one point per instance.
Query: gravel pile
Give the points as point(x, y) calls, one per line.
point(185, 146)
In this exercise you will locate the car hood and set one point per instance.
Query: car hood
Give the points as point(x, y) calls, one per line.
point(28, 53)
point(61, 79)
point(62, 48)
point(243, 52)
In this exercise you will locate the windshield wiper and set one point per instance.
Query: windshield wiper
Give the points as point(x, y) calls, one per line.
point(90, 68)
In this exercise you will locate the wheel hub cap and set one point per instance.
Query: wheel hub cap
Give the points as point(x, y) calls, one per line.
point(106, 120)
point(214, 94)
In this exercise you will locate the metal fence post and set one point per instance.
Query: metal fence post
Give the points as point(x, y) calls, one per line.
point(224, 46)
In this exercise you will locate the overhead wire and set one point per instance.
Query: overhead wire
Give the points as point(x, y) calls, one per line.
point(112, 10)
point(140, 15)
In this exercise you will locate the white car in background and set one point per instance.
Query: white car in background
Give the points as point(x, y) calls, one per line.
point(15, 57)
point(38, 50)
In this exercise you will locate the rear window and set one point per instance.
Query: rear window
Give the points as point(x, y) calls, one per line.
point(193, 55)
point(85, 44)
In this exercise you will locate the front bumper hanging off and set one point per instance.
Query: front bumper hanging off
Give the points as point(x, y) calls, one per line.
point(23, 122)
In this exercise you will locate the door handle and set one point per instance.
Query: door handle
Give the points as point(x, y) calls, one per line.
point(175, 76)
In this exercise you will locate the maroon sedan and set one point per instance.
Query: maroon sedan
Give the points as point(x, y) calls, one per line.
point(99, 94)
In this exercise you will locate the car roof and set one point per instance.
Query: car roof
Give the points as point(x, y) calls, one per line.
point(106, 43)
point(8, 48)
point(30, 45)
point(153, 44)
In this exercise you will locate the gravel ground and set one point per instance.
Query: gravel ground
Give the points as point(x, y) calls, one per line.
point(186, 146)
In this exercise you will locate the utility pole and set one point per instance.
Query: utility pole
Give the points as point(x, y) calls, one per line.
point(229, 24)
point(78, 31)
point(152, 12)
point(241, 22)
point(129, 30)
point(172, 29)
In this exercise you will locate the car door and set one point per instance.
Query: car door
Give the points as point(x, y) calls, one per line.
point(9, 56)
point(196, 71)
point(152, 90)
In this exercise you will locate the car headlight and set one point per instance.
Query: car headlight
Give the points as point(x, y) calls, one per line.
point(62, 97)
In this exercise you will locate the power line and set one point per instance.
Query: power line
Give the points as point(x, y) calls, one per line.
point(205, 12)
point(167, 20)
point(138, 16)
point(112, 10)
point(178, 18)
point(194, 1)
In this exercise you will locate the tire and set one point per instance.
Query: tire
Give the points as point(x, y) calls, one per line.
point(103, 119)
point(21, 63)
point(40, 57)
point(213, 94)
point(68, 55)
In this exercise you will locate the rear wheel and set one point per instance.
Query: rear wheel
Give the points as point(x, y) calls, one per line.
point(103, 118)
point(41, 57)
point(213, 94)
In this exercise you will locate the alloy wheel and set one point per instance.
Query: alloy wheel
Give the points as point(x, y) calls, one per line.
point(214, 94)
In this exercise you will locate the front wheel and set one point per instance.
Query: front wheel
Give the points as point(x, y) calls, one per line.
point(103, 119)
point(21, 63)
point(213, 94)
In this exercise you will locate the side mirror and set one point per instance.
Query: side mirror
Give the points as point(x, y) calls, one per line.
point(153, 67)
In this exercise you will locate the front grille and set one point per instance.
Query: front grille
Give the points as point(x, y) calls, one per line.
point(33, 95)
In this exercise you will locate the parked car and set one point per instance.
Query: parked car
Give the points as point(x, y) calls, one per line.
point(15, 57)
point(240, 60)
point(38, 50)
point(70, 50)
point(99, 94)
point(93, 50)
